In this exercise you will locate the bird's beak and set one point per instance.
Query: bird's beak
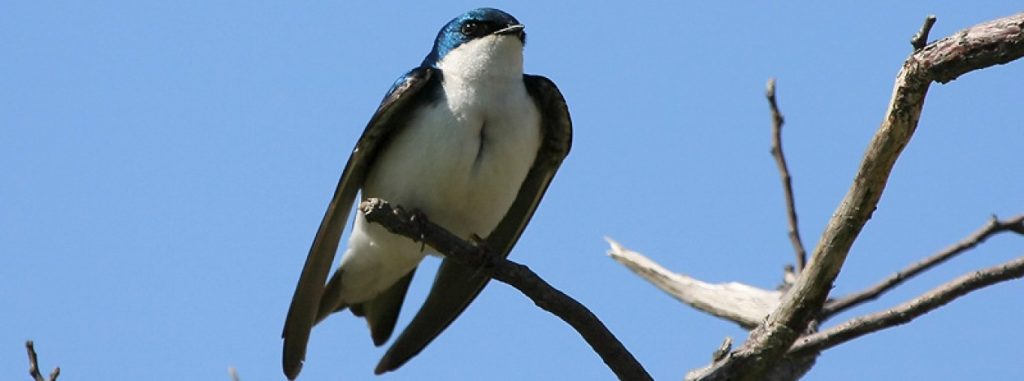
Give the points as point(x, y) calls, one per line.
point(511, 29)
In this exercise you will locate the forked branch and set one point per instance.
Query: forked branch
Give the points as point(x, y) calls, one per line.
point(991, 43)
point(910, 310)
point(993, 227)
point(33, 364)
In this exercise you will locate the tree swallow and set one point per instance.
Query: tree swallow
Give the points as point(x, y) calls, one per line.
point(465, 138)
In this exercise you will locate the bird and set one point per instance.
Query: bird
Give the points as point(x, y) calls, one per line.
point(467, 140)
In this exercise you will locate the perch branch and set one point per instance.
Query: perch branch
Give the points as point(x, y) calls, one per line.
point(33, 364)
point(787, 180)
point(910, 310)
point(991, 43)
point(416, 227)
point(745, 305)
point(994, 226)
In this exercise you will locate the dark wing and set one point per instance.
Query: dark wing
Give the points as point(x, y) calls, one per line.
point(306, 301)
point(456, 285)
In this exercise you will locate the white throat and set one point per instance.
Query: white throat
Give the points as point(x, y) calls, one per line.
point(489, 58)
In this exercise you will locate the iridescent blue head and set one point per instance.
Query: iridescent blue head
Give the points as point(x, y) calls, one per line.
point(477, 23)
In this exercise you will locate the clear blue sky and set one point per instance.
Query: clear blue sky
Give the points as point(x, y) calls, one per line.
point(166, 164)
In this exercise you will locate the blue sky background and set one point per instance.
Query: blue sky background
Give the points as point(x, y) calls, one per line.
point(166, 164)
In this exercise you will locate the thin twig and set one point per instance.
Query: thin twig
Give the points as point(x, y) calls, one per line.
point(787, 180)
point(417, 227)
point(722, 350)
point(920, 38)
point(994, 226)
point(906, 312)
point(33, 364)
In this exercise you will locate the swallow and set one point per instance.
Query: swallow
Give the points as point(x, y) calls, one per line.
point(467, 139)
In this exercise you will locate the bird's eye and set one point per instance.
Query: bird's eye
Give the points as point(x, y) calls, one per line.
point(471, 28)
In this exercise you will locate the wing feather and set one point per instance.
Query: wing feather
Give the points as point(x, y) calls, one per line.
point(305, 303)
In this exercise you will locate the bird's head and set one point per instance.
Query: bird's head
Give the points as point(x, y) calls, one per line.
point(480, 37)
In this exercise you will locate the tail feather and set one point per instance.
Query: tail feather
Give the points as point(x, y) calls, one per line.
point(381, 312)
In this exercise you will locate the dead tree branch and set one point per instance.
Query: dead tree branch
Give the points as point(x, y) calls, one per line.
point(991, 43)
point(787, 180)
point(993, 227)
point(910, 310)
point(417, 227)
point(739, 303)
point(33, 364)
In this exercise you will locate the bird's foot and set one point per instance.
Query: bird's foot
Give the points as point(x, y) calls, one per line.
point(485, 256)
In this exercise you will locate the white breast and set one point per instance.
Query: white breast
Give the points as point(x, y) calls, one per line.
point(460, 161)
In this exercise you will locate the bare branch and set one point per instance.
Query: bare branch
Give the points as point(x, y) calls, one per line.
point(920, 38)
point(33, 364)
point(994, 226)
point(787, 180)
point(910, 310)
point(417, 227)
point(988, 44)
point(742, 304)
point(978, 47)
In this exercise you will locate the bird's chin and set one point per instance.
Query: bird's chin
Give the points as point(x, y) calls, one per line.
point(513, 37)
point(515, 30)
point(487, 57)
